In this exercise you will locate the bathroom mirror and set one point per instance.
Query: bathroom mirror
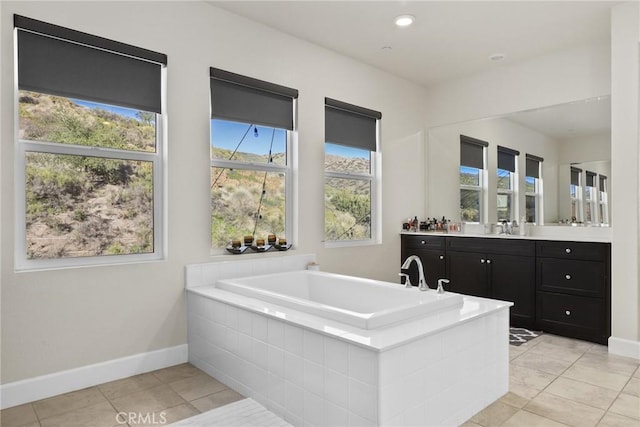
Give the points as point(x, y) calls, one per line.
point(573, 136)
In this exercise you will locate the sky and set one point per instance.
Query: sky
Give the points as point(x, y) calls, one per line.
point(122, 111)
point(227, 135)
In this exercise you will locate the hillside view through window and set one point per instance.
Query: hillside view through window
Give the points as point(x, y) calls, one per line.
point(82, 205)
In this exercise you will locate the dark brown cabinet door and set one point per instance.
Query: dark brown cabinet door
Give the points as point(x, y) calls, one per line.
point(468, 273)
point(512, 278)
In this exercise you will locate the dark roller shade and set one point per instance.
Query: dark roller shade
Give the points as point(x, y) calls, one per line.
point(507, 158)
point(532, 167)
point(64, 62)
point(471, 152)
point(350, 125)
point(603, 182)
point(244, 99)
point(591, 179)
point(575, 176)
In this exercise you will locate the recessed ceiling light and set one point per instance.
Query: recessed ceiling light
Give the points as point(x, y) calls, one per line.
point(404, 20)
point(497, 57)
point(386, 48)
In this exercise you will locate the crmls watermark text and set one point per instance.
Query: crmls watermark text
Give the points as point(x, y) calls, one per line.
point(133, 418)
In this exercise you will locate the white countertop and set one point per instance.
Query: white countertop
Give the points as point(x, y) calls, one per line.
point(374, 339)
point(561, 233)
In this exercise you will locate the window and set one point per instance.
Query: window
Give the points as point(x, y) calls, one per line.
point(472, 179)
point(575, 194)
point(252, 123)
point(533, 189)
point(507, 187)
point(352, 176)
point(89, 149)
point(603, 199)
point(590, 198)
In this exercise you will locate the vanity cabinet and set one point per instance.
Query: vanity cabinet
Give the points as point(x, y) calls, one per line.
point(573, 289)
point(559, 287)
point(495, 268)
point(431, 251)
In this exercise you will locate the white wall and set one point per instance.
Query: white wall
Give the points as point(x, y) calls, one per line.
point(585, 148)
point(62, 319)
point(444, 161)
point(625, 179)
point(570, 75)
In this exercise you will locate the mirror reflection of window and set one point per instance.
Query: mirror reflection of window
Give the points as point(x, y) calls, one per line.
point(590, 211)
point(575, 193)
point(507, 188)
point(533, 189)
point(472, 178)
point(603, 199)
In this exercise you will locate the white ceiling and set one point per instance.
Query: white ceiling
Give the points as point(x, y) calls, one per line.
point(449, 39)
point(570, 120)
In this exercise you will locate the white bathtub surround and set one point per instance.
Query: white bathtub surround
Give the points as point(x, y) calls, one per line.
point(438, 369)
point(210, 273)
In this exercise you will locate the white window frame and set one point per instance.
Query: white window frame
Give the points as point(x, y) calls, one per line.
point(375, 180)
point(157, 158)
point(287, 169)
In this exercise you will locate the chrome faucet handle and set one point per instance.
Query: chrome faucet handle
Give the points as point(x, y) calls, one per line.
point(407, 282)
point(440, 286)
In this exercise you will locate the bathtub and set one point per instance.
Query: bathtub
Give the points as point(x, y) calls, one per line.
point(363, 303)
point(329, 350)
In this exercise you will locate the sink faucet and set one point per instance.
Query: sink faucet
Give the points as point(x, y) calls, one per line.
point(422, 284)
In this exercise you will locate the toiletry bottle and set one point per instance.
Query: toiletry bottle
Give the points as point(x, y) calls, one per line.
point(523, 226)
point(416, 223)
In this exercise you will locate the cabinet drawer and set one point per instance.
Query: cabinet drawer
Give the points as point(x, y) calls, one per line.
point(573, 250)
point(506, 246)
point(570, 312)
point(572, 277)
point(423, 242)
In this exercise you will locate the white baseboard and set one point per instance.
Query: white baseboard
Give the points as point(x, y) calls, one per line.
point(29, 390)
point(624, 347)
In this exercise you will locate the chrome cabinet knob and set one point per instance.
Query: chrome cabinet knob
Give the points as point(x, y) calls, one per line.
point(567, 276)
point(488, 261)
point(482, 261)
point(423, 242)
point(568, 250)
point(441, 257)
point(567, 312)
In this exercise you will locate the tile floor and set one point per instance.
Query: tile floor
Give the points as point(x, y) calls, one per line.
point(554, 381)
point(180, 392)
point(557, 381)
